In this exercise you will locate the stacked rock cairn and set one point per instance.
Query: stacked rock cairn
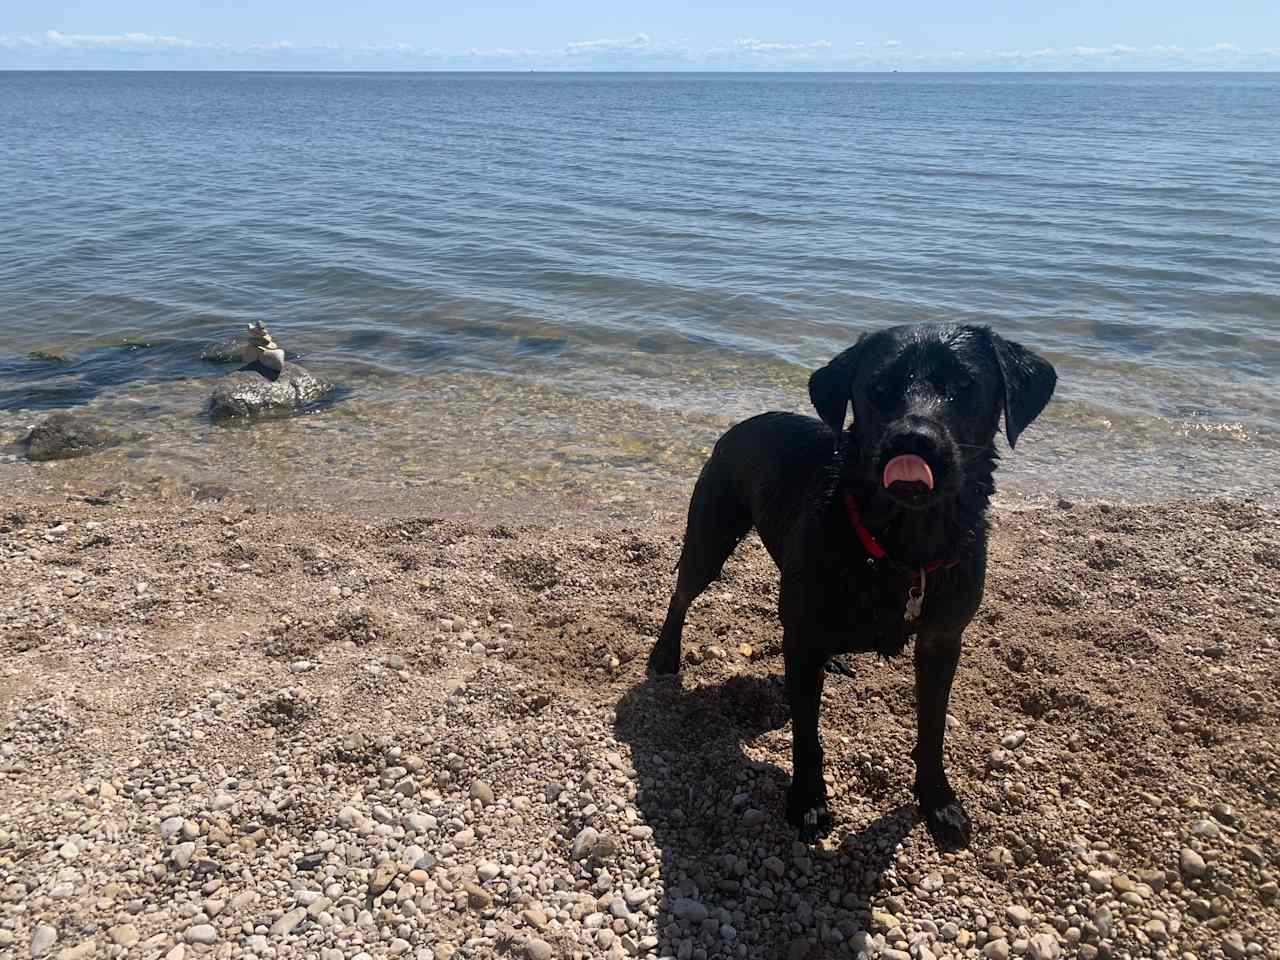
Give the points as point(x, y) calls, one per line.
point(262, 349)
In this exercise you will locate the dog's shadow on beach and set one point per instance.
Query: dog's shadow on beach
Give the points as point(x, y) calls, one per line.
point(737, 881)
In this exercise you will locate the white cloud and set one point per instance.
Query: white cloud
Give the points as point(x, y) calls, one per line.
point(1082, 56)
point(640, 41)
point(752, 45)
point(114, 40)
point(1116, 49)
point(498, 53)
point(639, 51)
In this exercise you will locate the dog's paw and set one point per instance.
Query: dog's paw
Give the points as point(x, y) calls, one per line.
point(663, 661)
point(814, 824)
point(949, 825)
point(809, 815)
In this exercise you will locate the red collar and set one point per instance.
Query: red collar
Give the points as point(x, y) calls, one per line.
point(872, 545)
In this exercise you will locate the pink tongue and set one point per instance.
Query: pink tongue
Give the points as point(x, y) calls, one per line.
point(908, 468)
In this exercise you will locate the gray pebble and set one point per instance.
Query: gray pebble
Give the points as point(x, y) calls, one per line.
point(202, 933)
point(1191, 863)
point(42, 939)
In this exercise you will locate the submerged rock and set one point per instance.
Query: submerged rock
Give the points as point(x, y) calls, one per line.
point(66, 435)
point(225, 351)
point(254, 392)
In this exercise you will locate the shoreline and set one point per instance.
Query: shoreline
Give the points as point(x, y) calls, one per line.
point(241, 726)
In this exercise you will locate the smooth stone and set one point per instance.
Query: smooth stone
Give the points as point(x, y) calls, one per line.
point(478, 898)
point(534, 917)
point(255, 392)
point(66, 435)
point(689, 910)
point(538, 950)
point(1017, 914)
point(81, 951)
point(124, 935)
point(1100, 880)
point(203, 933)
point(1192, 863)
point(1225, 813)
point(284, 926)
point(382, 878)
point(1156, 930)
point(584, 843)
point(42, 939)
point(182, 854)
point(1013, 739)
point(1234, 947)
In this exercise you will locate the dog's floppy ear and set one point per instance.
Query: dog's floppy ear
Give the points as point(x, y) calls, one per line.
point(1029, 380)
point(829, 388)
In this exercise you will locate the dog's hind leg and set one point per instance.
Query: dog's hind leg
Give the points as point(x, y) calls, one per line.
point(717, 523)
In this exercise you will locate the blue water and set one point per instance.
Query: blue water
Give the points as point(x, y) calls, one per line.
point(693, 244)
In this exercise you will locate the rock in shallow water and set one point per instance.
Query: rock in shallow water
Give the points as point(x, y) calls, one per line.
point(66, 435)
point(225, 351)
point(254, 392)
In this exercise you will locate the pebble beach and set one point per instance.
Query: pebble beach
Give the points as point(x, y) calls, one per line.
point(234, 727)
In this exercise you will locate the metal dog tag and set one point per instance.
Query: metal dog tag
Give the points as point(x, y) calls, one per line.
point(915, 600)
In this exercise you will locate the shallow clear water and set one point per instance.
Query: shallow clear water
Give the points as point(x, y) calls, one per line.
point(624, 264)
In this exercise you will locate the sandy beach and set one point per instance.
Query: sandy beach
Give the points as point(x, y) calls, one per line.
point(239, 726)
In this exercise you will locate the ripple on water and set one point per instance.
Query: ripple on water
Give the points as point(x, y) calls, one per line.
point(637, 261)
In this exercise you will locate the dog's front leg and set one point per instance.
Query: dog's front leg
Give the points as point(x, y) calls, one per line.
point(936, 658)
point(807, 796)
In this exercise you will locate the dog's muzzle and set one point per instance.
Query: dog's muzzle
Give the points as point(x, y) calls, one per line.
point(914, 463)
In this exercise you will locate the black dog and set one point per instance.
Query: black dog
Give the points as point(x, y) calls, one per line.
point(880, 532)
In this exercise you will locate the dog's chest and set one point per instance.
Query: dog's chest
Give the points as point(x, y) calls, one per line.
point(874, 607)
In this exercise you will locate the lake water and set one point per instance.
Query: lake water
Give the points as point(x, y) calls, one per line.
point(597, 273)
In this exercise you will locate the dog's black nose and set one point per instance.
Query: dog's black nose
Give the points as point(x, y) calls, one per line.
point(916, 436)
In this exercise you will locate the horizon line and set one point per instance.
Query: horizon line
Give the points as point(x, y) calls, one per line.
point(650, 70)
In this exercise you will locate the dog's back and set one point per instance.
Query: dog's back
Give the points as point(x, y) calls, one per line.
point(770, 466)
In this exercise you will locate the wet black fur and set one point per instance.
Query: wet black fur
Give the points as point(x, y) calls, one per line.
point(934, 391)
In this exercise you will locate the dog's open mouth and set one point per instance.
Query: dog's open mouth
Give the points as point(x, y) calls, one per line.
point(908, 468)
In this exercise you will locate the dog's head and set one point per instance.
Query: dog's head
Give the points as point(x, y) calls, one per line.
point(926, 402)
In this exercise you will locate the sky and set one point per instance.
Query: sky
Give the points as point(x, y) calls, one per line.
point(653, 35)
